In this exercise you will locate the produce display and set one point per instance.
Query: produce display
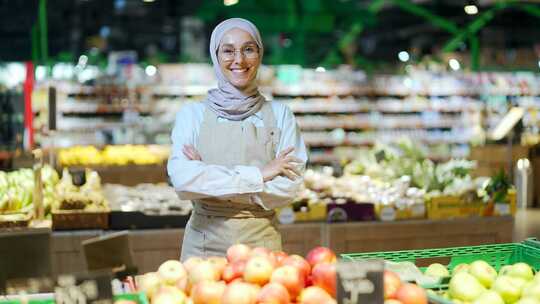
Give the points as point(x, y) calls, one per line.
point(113, 155)
point(479, 283)
point(398, 179)
point(87, 197)
point(17, 190)
point(245, 276)
point(148, 198)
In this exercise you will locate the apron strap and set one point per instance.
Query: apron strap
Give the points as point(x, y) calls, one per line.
point(268, 116)
point(233, 210)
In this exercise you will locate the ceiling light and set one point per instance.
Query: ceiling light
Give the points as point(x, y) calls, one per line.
point(320, 69)
point(454, 64)
point(149, 0)
point(539, 63)
point(471, 9)
point(229, 2)
point(83, 60)
point(150, 70)
point(403, 56)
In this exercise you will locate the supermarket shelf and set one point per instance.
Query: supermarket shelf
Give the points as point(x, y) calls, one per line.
point(93, 108)
point(190, 90)
point(92, 127)
point(370, 122)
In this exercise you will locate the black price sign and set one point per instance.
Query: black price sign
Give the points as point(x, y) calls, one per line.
point(92, 288)
point(360, 282)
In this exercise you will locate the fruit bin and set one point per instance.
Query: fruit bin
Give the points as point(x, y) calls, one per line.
point(497, 255)
point(139, 298)
point(445, 207)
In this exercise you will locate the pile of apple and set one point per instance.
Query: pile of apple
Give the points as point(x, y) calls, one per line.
point(479, 283)
point(398, 292)
point(245, 276)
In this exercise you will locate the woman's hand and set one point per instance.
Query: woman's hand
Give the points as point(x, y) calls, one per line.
point(284, 164)
point(191, 153)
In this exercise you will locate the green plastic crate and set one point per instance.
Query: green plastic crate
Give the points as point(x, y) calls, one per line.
point(139, 298)
point(497, 255)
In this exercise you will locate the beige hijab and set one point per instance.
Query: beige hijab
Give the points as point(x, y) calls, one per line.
point(227, 101)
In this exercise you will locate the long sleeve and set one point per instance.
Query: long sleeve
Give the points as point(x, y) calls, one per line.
point(197, 180)
point(281, 190)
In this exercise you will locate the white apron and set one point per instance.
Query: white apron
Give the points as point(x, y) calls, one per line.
point(216, 224)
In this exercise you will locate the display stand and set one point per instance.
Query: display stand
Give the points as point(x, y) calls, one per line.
point(152, 247)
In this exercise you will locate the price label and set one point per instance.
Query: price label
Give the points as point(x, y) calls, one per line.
point(92, 288)
point(388, 213)
point(502, 209)
point(360, 282)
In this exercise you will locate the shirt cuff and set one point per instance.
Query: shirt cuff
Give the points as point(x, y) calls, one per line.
point(251, 179)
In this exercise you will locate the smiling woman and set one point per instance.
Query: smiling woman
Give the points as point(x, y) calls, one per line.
point(239, 58)
point(237, 156)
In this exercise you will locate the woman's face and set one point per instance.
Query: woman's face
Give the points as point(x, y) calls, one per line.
point(239, 57)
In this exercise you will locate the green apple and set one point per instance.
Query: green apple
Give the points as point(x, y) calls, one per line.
point(532, 290)
point(537, 277)
point(521, 270)
point(527, 301)
point(437, 270)
point(460, 267)
point(465, 287)
point(519, 282)
point(489, 297)
point(505, 269)
point(483, 272)
point(507, 289)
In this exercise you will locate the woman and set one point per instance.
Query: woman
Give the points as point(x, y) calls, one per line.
point(236, 155)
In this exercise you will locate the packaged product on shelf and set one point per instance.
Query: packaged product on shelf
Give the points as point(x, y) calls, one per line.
point(146, 206)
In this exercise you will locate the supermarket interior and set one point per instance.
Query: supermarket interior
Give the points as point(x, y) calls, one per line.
point(414, 178)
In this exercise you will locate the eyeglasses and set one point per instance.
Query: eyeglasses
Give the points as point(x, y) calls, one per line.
point(249, 52)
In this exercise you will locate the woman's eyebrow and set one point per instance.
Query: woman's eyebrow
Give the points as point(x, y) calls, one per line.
point(243, 44)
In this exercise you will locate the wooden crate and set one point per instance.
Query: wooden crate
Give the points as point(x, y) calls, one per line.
point(77, 219)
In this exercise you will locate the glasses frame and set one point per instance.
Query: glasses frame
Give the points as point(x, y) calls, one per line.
point(241, 51)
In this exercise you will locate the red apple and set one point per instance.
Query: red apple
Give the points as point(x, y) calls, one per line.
point(315, 295)
point(300, 263)
point(264, 252)
point(172, 271)
point(280, 257)
point(238, 252)
point(169, 295)
point(258, 270)
point(183, 284)
point(411, 294)
point(150, 284)
point(290, 278)
point(238, 280)
point(240, 293)
point(391, 284)
point(324, 276)
point(208, 292)
point(233, 271)
point(204, 271)
point(219, 263)
point(273, 293)
point(191, 262)
point(319, 255)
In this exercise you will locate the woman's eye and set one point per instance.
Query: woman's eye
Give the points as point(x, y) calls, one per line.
point(227, 51)
point(250, 50)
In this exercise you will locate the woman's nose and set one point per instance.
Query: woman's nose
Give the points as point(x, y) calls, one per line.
point(238, 57)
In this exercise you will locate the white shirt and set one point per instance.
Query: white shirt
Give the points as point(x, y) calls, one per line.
point(196, 180)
